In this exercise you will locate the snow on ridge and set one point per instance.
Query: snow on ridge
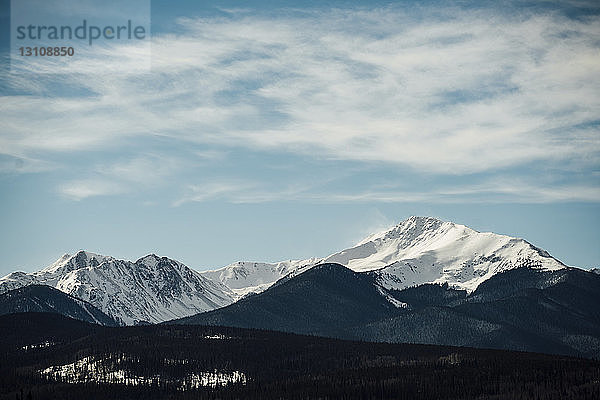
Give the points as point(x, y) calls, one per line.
point(449, 252)
point(156, 289)
point(153, 289)
point(417, 250)
point(428, 250)
point(78, 260)
point(415, 223)
point(245, 277)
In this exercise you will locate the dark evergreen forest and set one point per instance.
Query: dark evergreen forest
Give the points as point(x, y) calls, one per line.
point(275, 365)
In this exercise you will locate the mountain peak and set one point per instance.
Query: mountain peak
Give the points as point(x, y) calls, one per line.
point(81, 259)
point(153, 289)
point(409, 229)
point(420, 249)
point(428, 250)
point(422, 223)
point(150, 259)
point(420, 218)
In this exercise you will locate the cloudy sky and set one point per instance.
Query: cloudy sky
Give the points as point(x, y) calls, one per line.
point(275, 131)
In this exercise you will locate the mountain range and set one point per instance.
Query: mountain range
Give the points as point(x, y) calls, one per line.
point(156, 289)
point(423, 281)
point(150, 290)
point(520, 309)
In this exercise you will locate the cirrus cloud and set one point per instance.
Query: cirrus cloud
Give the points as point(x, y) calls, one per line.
point(447, 95)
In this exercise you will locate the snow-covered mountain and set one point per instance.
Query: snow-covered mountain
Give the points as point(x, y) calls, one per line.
point(416, 251)
point(427, 250)
point(254, 277)
point(152, 289)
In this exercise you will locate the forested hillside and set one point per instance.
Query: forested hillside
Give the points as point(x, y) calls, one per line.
point(48, 356)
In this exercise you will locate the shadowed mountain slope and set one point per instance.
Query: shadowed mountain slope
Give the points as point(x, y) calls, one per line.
point(46, 299)
point(326, 300)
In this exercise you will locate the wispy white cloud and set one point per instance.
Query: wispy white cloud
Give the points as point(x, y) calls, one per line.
point(229, 191)
point(82, 189)
point(245, 192)
point(148, 169)
point(450, 95)
point(486, 193)
point(490, 191)
point(142, 172)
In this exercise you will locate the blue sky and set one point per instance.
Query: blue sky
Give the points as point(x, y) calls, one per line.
point(275, 131)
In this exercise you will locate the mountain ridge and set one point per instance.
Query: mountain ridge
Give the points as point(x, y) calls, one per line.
point(149, 290)
point(416, 251)
point(339, 298)
point(411, 244)
point(518, 309)
point(43, 298)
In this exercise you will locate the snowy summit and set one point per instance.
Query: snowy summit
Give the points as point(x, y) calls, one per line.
point(156, 289)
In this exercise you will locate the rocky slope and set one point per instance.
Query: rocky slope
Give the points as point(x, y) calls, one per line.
point(153, 289)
